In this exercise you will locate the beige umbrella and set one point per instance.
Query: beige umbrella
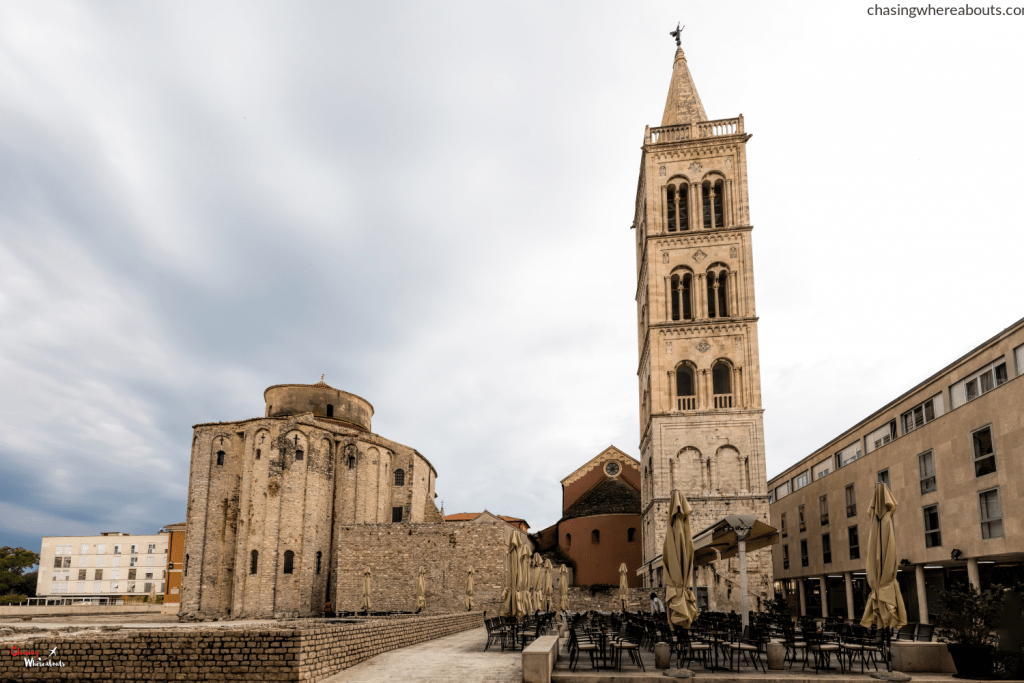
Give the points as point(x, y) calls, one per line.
point(885, 603)
point(525, 600)
point(366, 590)
point(623, 585)
point(538, 582)
point(421, 590)
point(469, 590)
point(549, 603)
point(509, 596)
point(677, 557)
point(563, 587)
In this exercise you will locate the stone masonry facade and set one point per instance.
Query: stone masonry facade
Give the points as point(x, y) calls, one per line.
point(310, 651)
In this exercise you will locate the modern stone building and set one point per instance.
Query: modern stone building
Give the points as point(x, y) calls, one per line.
point(951, 450)
point(111, 565)
point(271, 498)
point(600, 524)
point(699, 374)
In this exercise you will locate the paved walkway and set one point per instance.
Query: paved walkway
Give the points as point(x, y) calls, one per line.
point(459, 658)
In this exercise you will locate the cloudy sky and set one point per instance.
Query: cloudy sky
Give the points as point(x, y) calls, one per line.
point(430, 204)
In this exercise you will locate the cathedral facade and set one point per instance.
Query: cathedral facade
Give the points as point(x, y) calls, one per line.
point(271, 499)
point(701, 427)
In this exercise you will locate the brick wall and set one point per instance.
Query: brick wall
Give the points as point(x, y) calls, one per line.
point(394, 554)
point(310, 652)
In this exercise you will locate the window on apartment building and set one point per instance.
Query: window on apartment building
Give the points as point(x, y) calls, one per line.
point(630, 535)
point(81, 575)
point(67, 560)
point(801, 480)
point(821, 469)
point(220, 457)
point(826, 549)
point(922, 414)
point(771, 496)
point(115, 574)
point(883, 477)
point(131, 573)
point(254, 561)
point(785, 557)
point(800, 518)
point(81, 586)
point(851, 501)
point(58, 562)
point(880, 437)
point(396, 514)
point(399, 477)
point(595, 536)
point(781, 491)
point(848, 454)
point(135, 549)
point(83, 561)
point(115, 562)
point(117, 549)
point(149, 575)
point(823, 509)
point(147, 587)
point(926, 468)
point(991, 514)
point(98, 575)
point(151, 548)
point(782, 524)
point(854, 542)
point(984, 454)
point(932, 535)
point(319, 560)
point(85, 549)
point(131, 586)
point(289, 562)
point(97, 587)
point(804, 561)
point(1018, 354)
point(101, 549)
point(980, 382)
point(132, 561)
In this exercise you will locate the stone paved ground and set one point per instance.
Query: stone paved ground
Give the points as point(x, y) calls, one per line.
point(459, 658)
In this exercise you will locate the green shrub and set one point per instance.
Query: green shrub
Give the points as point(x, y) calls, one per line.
point(12, 599)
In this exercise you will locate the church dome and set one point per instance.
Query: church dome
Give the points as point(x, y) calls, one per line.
point(321, 399)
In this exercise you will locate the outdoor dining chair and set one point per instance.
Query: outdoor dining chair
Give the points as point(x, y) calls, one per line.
point(822, 651)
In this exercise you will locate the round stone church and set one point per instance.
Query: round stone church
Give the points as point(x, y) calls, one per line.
point(269, 498)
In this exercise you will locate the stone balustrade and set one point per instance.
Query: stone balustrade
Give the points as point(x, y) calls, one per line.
point(687, 131)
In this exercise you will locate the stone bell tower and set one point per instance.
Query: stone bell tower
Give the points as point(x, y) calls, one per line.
point(701, 427)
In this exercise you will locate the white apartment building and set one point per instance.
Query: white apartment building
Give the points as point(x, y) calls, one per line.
point(112, 564)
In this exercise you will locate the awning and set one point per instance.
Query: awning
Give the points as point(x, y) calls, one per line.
point(721, 541)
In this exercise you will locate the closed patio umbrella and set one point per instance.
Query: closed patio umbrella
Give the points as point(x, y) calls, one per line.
point(563, 587)
point(549, 603)
point(469, 590)
point(623, 585)
point(677, 556)
point(525, 605)
point(421, 590)
point(509, 596)
point(885, 603)
point(538, 582)
point(366, 589)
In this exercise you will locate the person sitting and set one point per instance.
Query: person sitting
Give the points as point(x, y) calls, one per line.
point(657, 606)
point(328, 610)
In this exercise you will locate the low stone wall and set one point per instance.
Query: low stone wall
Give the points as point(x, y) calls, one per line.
point(64, 610)
point(310, 652)
point(581, 599)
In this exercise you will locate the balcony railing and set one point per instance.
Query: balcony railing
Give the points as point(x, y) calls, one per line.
point(695, 131)
point(723, 400)
point(686, 403)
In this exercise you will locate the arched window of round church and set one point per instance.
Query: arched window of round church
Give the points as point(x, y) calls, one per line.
point(330, 410)
point(289, 561)
point(254, 561)
point(319, 558)
point(399, 477)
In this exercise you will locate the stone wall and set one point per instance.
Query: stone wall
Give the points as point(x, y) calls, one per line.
point(394, 554)
point(310, 652)
point(582, 600)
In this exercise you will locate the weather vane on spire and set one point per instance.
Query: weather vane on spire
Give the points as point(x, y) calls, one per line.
point(675, 34)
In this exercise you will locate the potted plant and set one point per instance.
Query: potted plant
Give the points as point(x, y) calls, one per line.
point(965, 624)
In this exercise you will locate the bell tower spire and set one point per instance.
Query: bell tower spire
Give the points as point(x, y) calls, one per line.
point(683, 104)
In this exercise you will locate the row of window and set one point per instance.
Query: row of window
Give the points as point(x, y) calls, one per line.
point(299, 455)
point(83, 561)
point(721, 385)
point(101, 549)
point(115, 574)
point(974, 385)
point(990, 513)
point(595, 537)
point(97, 587)
point(982, 448)
point(289, 562)
point(677, 206)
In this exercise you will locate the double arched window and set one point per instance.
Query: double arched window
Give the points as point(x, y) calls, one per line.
point(712, 200)
point(677, 205)
point(702, 390)
point(718, 293)
point(682, 303)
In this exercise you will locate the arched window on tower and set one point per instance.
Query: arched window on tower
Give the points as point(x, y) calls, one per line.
point(721, 381)
point(595, 536)
point(319, 559)
point(220, 457)
point(289, 561)
point(712, 296)
point(630, 535)
point(723, 283)
point(399, 477)
point(254, 561)
point(670, 198)
point(681, 296)
point(330, 410)
point(686, 398)
point(705, 196)
point(719, 204)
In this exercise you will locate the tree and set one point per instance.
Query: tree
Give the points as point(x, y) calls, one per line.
point(13, 563)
